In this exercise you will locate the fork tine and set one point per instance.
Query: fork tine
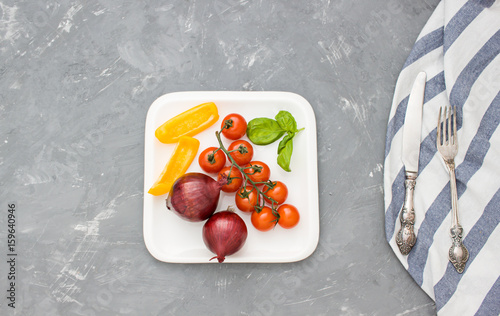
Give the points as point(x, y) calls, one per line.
point(445, 125)
point(454, 125)
point(448, 125)
point(438, 138)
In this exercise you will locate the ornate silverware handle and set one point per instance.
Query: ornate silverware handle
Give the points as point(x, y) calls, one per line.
point(458, 254)
point(405, 239)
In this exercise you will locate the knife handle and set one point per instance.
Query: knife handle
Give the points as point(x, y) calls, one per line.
point(405, 239)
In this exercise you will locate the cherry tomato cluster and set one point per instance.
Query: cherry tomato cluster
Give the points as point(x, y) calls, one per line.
point(250, 179)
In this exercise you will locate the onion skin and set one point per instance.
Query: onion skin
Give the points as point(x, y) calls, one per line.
point(224, 234)
point(194, 196)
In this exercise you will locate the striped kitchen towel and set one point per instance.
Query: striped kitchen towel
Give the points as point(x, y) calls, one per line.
point(459, 50)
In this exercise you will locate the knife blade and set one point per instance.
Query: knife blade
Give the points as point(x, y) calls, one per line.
point(406, 239)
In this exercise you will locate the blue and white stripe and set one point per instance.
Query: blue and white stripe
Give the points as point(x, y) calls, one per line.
point(459, 49)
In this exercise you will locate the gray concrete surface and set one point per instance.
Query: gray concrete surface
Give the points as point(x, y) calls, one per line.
point(76, 80)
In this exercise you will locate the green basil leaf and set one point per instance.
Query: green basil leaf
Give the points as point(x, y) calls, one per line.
point(286, 121)
point(285, 149)
point(264, 131)
point(288, 138)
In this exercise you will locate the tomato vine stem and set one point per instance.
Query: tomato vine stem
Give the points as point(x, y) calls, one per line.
point(246, 178)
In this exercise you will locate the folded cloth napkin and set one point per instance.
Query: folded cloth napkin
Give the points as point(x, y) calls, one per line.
point(459, 50)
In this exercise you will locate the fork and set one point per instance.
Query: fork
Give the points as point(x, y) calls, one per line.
point(447, 145)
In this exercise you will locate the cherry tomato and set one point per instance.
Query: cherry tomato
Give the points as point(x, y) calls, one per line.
point(242, 151)
point(264, 220)
point(246, 199)
point(235, 179)
point(210, 162)
point(279, 193)
point(257, 171)
point(289, 216)
point(234, 126)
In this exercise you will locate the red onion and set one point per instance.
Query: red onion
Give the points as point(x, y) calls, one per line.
point(194, 196)
point(224, 234)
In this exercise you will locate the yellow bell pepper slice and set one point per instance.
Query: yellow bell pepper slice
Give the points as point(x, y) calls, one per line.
point(188, 123)
point(179, 162)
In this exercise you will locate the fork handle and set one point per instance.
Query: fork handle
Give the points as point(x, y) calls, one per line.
point(454, 194)
point(458, 253)
point(406, 239)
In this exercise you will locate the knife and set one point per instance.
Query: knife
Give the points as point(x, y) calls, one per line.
point(405, 239)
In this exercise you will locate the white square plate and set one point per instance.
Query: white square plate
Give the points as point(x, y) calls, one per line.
point(171, 239)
